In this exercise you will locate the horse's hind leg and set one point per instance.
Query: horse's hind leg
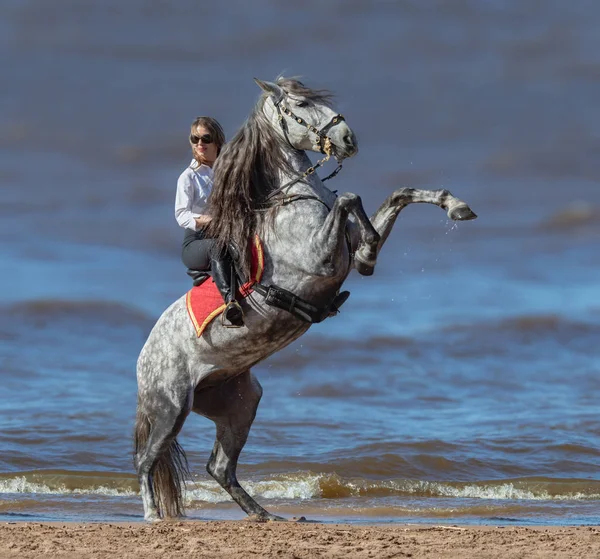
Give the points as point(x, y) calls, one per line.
point(232, 406)
point(159, 460)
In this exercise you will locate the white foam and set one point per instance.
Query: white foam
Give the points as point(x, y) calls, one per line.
point(21, 485)
point(304, 486)
point(505, 491)
point(286, 487)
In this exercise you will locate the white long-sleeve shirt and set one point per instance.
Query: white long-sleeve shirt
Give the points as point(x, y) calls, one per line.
point(193, 187)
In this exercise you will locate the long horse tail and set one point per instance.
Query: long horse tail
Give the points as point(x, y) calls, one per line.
point(168, 472)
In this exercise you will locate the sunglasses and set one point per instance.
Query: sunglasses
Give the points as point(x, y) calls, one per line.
point(205, 139)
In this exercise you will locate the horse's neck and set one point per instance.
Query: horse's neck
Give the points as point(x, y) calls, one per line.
point(299, 160)
point(292, 263)
point(310, 185)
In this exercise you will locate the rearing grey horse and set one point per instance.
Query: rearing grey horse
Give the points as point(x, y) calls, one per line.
point(312, 240)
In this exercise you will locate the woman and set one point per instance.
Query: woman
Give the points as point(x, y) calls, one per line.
point(193, 188)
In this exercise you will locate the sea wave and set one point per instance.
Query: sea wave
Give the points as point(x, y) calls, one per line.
point(21, 485)
point(576, 214)
point(42, 310)
point(477, 337)
point(309, 485)
point(333, 486)
point(69, 483)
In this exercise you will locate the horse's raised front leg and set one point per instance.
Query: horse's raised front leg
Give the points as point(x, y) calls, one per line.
point(232, 406)
point(331, 237)
point(384, 218)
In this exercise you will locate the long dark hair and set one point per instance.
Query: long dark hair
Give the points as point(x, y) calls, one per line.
point(215, 129)
point(247, 170)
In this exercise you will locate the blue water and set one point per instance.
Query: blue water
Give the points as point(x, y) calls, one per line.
point(458, 384)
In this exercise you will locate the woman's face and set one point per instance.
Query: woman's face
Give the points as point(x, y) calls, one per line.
point(206, 148)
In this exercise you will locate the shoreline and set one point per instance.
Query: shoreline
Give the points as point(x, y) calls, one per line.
point(221, 539)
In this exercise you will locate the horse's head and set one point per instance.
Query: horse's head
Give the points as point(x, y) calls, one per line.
point(305, 118)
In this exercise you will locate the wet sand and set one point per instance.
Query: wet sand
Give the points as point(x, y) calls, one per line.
point(291, 540)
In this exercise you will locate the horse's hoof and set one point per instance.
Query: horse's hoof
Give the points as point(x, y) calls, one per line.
point(303, 519)
point(363, 267)
point(275, 518)
point(152, 518)
point(265, 518)
point(462, 213)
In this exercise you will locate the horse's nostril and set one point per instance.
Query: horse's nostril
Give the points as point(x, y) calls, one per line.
point(348, 140)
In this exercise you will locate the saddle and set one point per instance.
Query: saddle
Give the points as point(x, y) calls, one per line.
point(204, 302)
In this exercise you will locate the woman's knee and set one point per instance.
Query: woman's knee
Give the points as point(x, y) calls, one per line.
point(196, 255)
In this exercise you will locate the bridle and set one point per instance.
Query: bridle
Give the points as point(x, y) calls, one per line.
point(323, 144)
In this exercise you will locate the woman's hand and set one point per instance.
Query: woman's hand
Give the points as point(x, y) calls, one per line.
point(202, 221)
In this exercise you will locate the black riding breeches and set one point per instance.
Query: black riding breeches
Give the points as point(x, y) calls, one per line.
point(197, 251)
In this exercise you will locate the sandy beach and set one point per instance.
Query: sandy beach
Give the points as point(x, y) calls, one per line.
point(291, 540)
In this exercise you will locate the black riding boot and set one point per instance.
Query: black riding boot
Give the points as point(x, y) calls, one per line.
point(223, 273)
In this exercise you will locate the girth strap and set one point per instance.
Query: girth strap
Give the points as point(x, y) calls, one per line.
point(286, 300)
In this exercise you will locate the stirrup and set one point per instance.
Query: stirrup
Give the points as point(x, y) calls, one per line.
point(232, 304)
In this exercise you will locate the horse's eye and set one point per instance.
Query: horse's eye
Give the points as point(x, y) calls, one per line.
point(301, 104)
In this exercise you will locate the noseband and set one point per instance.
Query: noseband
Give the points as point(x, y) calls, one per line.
point(324, 143)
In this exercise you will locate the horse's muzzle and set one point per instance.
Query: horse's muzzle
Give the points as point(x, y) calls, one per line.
point(348, 147)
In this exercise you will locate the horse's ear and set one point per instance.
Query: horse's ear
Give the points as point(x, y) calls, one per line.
point(271, 88)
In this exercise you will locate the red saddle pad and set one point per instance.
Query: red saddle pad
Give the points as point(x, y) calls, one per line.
point(205, 302)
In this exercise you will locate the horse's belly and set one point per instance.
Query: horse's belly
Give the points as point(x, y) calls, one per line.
point(245, 347)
